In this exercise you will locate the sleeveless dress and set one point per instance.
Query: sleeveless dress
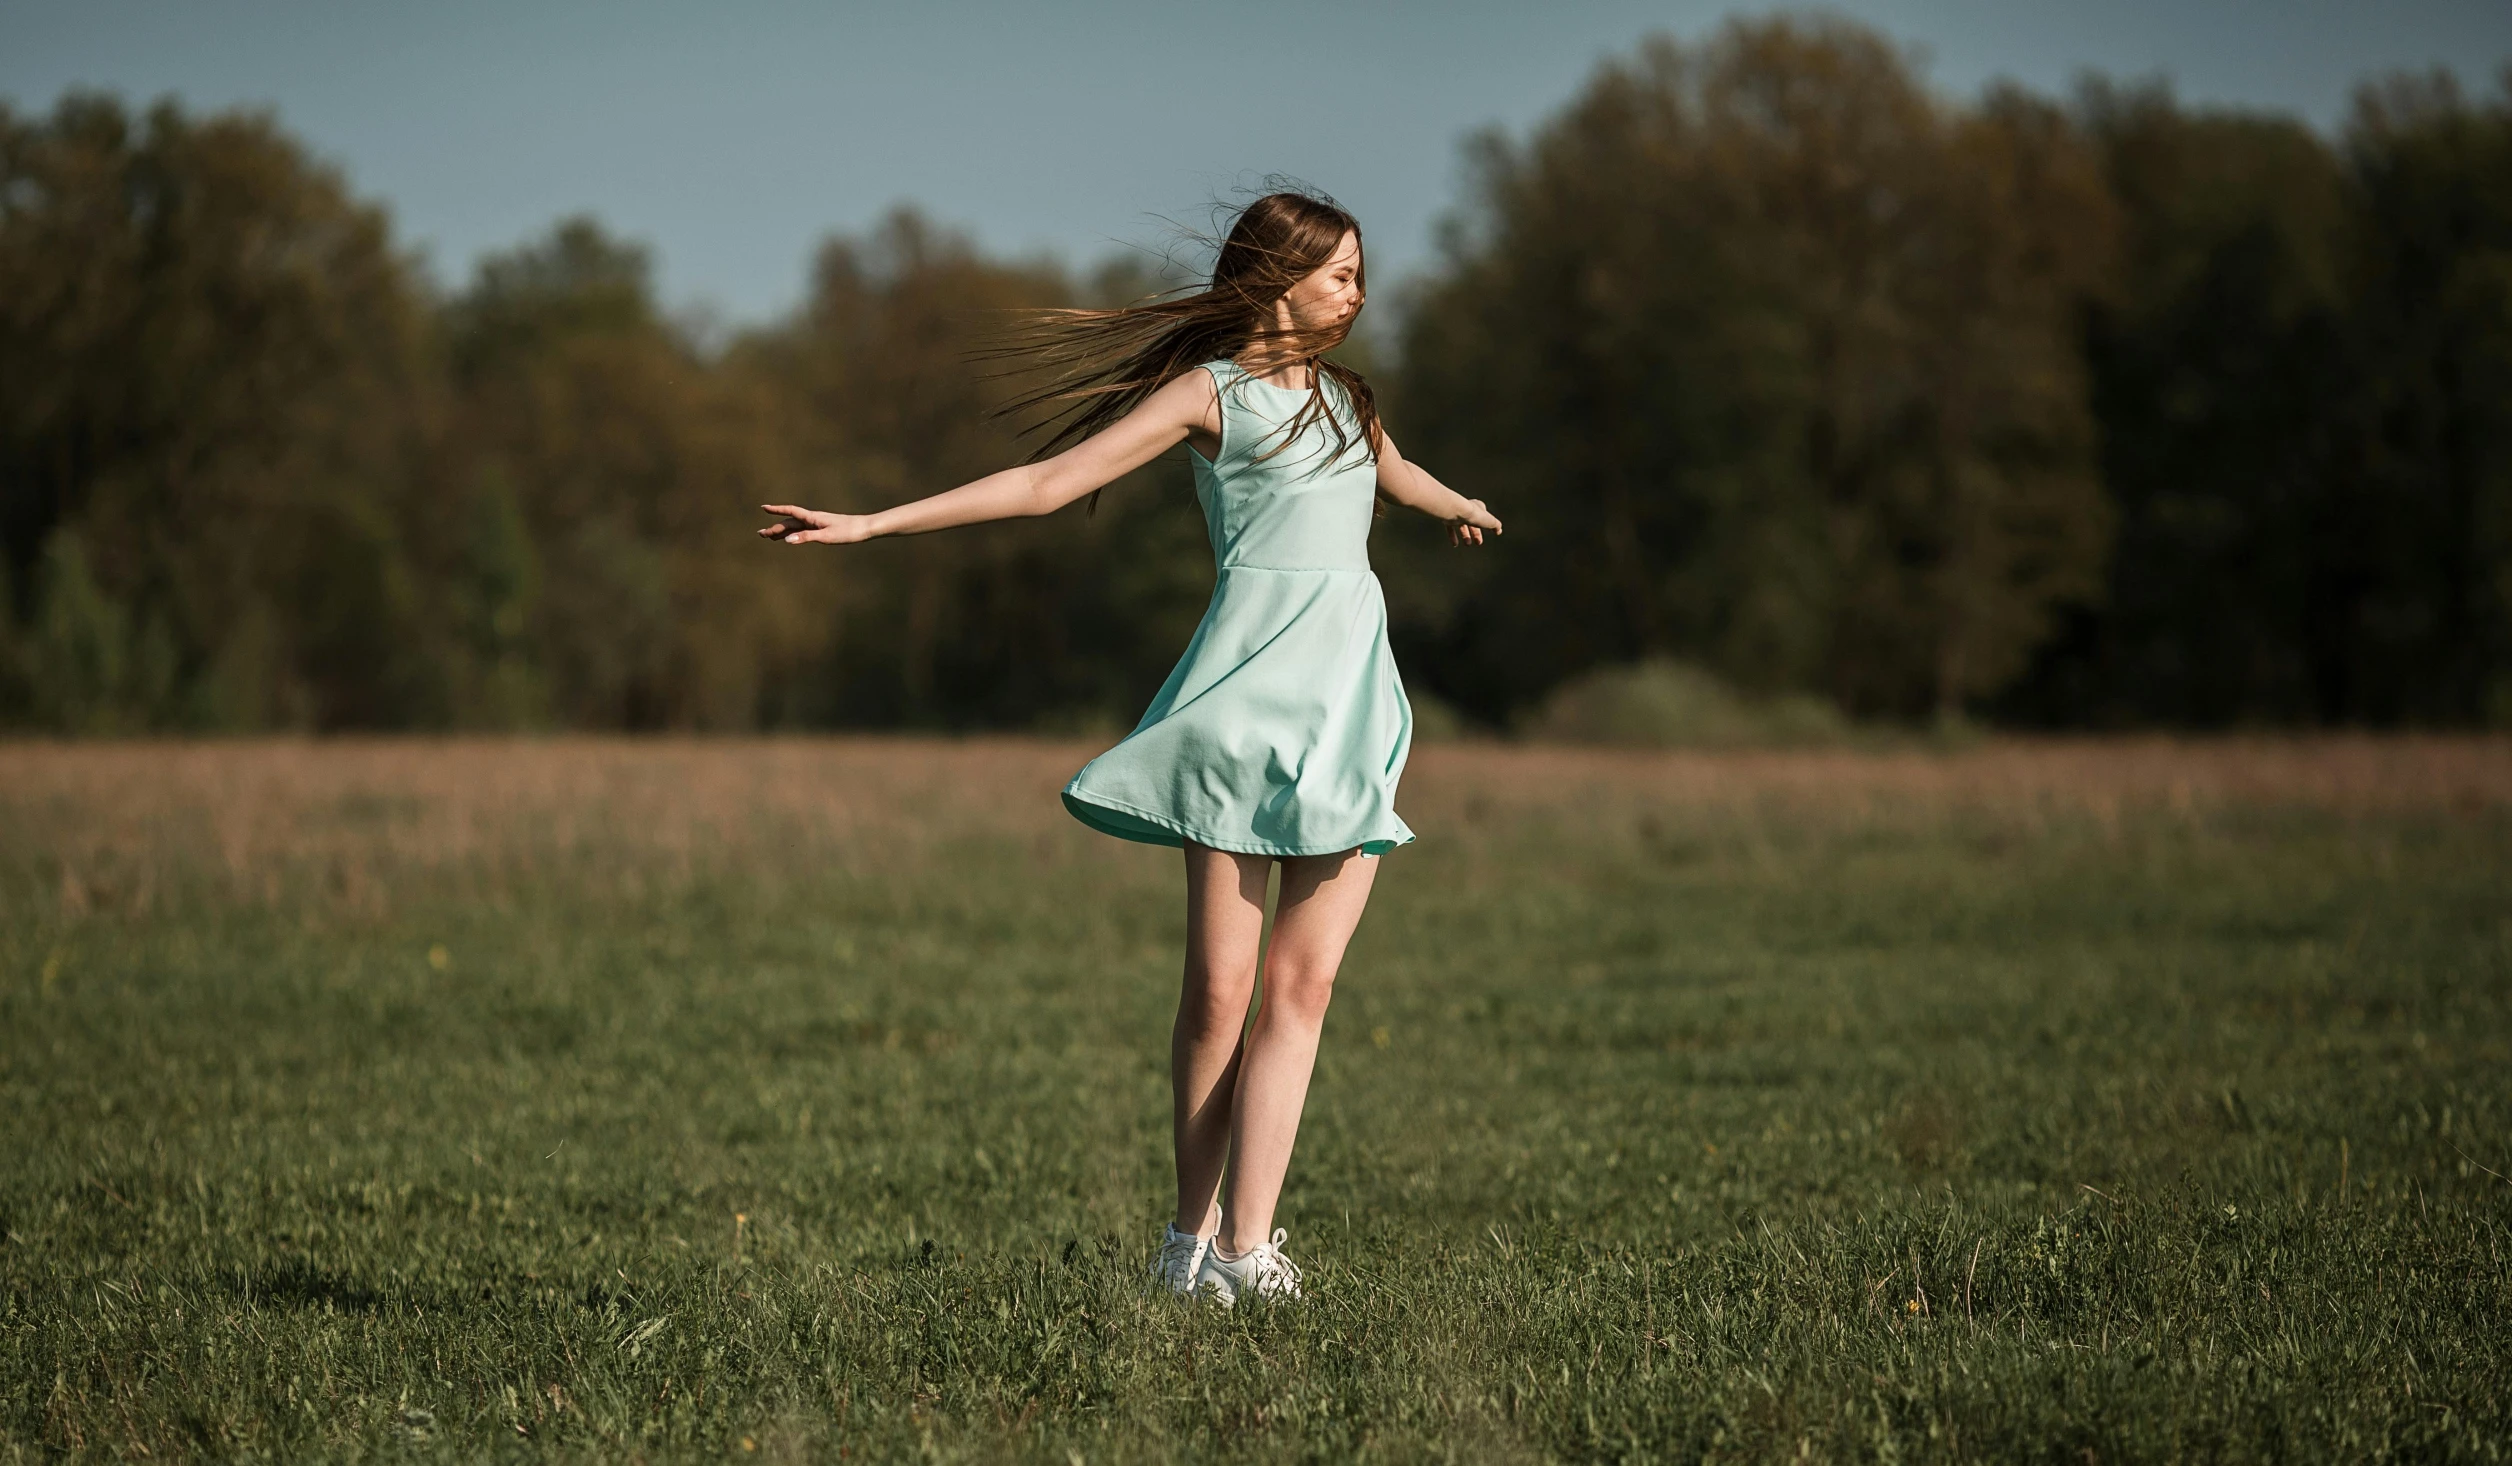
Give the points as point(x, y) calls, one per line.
point(1284, 727)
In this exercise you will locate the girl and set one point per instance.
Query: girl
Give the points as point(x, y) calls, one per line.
point(1281, 733)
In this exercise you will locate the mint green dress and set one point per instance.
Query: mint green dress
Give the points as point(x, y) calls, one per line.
point(1284, 728)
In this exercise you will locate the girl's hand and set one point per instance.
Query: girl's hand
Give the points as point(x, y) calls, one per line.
point(1470, 527)
point(801, 526)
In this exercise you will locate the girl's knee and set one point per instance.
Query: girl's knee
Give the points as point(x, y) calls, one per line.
point(1210, 1006)
point(1211, 1023)
point(1302, 993)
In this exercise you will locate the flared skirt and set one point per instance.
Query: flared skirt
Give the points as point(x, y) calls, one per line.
point(1282, 730)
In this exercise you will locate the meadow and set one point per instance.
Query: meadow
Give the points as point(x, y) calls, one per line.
point(805, 1100)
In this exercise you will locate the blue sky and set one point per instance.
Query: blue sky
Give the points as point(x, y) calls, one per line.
point(731, 137)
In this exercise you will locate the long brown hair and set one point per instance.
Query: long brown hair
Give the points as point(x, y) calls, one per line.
point(1101, 364)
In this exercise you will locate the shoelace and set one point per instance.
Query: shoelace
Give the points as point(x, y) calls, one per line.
point(1274, 1272)
point(1176, 1251)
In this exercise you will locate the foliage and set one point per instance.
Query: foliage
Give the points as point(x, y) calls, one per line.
point(1770, 351)
point(1077, 618)
point(603, 574)
point(1668, 704)
point(1774, 361)
point(214, 408)
point(2423, 608)
point(593, 1100)
point(2301, 376)
point(1792, 370)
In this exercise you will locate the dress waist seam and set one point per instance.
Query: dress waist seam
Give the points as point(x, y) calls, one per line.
point(1301, 569)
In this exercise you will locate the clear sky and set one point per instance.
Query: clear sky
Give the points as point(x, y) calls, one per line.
point(732, 136)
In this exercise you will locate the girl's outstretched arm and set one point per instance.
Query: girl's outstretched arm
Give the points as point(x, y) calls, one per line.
point(1160, 423)
point(1401, 481)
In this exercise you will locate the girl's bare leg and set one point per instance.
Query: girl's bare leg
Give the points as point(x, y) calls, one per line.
point(1225, 920)
point(1322, 897)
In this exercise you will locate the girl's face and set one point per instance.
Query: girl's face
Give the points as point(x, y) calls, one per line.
point(1327, 296)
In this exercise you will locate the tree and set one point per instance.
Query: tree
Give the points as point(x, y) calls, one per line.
point(2303, 373)
point(2218, 360)
point(1073, 619)
point(2414, 610)
point(214, 398)
point(1767, 355)
point(599, 569)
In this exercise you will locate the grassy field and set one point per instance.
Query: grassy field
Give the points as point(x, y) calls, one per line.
point(806, 1100)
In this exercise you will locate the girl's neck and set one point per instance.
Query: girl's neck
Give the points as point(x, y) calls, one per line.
point(1270, 362)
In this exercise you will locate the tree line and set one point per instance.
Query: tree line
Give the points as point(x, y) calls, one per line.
point(2098, 412)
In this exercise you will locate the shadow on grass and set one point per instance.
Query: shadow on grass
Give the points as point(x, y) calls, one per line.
point(300, 1284)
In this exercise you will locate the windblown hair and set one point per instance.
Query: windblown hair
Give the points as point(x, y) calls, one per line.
point(1101, 364)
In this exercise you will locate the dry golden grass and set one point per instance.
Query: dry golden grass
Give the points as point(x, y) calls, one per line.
point(2012, 778)
point(114, 823)
point(121, 821)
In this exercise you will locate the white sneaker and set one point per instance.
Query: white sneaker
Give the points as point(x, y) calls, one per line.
point(1173, 1267)
point(1261, 1270)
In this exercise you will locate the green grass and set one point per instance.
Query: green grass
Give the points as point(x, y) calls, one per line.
point(1643, 1131)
